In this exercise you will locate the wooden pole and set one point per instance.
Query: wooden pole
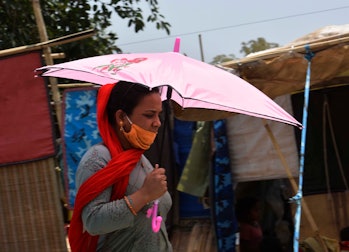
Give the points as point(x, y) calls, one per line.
point(290, 177)
point(74, 85)
point(201, 49)
point(294, 186)
point(53, 42)
point(56, 55)
point(49, 61)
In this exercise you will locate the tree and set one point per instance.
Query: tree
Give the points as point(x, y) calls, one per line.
point(256, 45)
point(63, 17)
point(222, 58)
point(247, 48)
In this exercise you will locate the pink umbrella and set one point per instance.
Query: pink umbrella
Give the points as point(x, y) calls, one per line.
point(199, 91)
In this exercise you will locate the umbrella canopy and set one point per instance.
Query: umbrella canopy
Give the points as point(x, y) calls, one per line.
point(200, 91)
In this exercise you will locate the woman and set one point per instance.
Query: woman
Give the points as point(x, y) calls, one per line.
point(116, 183)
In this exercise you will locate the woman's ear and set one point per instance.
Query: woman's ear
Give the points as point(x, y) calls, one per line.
point(119, 118)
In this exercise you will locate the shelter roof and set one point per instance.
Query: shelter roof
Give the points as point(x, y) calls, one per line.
point(282, 70)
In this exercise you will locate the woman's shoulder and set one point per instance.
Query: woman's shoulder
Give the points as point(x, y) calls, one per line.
point(97, 151)
point(98, 147)
point(93, 160)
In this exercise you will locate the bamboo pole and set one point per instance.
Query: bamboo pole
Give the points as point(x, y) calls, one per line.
point(294, 185)
point(54, 42)
point(73, 85)
point(289, 175)
point(48, 59)
point(56, 55)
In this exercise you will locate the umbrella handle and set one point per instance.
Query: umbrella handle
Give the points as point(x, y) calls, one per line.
point(156, 220)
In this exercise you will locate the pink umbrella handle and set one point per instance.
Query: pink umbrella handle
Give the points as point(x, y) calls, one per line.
point(149, 212)
point(156, 224)
point(156, 220)
point(176, 45)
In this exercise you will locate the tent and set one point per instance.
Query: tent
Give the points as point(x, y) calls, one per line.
point(281, 71)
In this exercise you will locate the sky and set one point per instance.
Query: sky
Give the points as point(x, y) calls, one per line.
point(223, 25)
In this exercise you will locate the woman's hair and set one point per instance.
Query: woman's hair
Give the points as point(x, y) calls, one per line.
point(126, 96)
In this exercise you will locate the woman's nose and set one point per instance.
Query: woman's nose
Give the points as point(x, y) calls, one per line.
point(157, 122)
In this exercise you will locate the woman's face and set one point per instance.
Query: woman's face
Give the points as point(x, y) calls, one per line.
point(147, 113)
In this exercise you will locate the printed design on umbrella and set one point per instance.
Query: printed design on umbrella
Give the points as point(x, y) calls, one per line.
point(117, 65)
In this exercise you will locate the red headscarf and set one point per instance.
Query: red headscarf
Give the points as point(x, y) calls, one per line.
point(115, 173)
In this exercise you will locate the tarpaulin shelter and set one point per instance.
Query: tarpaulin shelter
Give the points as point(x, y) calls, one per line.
point(281, 71)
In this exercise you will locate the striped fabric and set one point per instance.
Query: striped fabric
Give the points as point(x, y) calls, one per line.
point(31, 216)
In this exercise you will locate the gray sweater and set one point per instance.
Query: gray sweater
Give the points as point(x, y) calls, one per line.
point(118, 228)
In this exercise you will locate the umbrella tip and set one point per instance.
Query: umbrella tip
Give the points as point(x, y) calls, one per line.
point(176, 45)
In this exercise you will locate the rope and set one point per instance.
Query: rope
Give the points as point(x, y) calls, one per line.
point(327, 114)
point(327, 175)
point(335, 146)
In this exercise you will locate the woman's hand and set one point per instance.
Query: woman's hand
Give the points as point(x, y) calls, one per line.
point(154, 186)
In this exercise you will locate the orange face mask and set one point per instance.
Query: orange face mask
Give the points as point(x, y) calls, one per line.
point(138, 137)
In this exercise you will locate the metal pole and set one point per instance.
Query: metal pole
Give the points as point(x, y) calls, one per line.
point(298, 197)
